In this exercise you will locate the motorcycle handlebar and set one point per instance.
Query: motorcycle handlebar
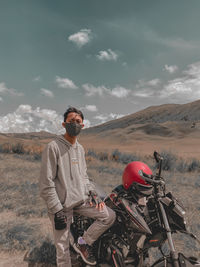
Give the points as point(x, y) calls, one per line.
point(149, 178)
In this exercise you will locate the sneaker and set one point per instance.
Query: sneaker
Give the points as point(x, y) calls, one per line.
point(86, 253)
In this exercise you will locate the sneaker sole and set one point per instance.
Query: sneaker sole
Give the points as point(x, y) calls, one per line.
point(82, 256)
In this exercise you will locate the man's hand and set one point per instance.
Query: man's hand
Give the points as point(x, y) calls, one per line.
point(95, 199)
point(60, 220)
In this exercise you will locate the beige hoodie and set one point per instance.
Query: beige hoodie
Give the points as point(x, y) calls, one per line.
point(63, 182)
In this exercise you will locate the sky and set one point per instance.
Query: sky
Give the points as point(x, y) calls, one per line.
point(109, 58)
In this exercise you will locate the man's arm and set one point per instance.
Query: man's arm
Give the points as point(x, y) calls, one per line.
point(92, 194)
point(47, 176)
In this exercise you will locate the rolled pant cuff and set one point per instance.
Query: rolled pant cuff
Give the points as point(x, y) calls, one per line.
point(88, 239)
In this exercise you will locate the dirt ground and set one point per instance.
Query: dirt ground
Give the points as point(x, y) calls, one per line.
point(187, 147)
point(16, 260)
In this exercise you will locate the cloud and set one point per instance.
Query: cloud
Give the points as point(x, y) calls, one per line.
point(1, 99)
point(107, 117)
point(118, 91)
point(108, 55)
point(144, 93)
point(177, 43)
point(124, 64)
point(65, 83)
point(186, 87)
point(147, 88)
point(91, 90)
point(10, 91)
point(91, 108)
point(81, 38)
point(181, 89)
point(37, 79)
point(46, 92)
point(27, 119)
point(171, 69)
point(151, 83)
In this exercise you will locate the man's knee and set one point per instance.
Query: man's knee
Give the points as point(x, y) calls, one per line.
point(109, 220)
point(112, 216)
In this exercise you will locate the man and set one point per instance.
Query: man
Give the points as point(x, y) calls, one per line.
point(66, 188)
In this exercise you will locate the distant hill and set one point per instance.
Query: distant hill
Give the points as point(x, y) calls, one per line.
point(30, 135)
point(153, 115)
point(171, 127)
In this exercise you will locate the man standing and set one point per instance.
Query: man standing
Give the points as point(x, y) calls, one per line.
point(66, 188)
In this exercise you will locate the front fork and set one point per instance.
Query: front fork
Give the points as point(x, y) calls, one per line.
point(173, 253)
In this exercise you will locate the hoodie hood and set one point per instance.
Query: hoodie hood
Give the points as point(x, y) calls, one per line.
point(63, 140)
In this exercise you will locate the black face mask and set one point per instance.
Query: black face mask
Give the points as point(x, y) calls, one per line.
point(73, 128)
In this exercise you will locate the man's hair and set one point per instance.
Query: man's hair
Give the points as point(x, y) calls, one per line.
point(73, 109)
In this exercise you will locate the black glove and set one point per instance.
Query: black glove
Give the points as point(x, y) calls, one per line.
point(94, 198)
point(60, 220)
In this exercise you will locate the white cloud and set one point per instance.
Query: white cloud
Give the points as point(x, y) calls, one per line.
point(108, 55)
point(147, 88)
point(153, 82)
point(81, 38)
point(171, 69)
point(120, 92)
point(179, 90)
point(1, 99)
point(65, 83)
point(144, 92)
point(10, 91)
point(193, 70)
point(117, 91)
point(186, 87)
point(46, 92)
point(174, 87)
point(27, 119)
point(91, 90)
point(107, 117)
point(91, 108)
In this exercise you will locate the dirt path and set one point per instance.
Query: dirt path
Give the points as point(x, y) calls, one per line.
point(12, 260)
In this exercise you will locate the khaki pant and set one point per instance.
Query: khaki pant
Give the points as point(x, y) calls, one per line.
point(104, 219)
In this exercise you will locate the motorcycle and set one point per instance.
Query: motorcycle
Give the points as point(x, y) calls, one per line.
point(138, 227)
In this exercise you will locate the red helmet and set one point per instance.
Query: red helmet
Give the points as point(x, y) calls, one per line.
point(131, 176)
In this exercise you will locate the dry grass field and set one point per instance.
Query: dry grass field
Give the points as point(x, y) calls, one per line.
point(173, 130)
point(23, 218)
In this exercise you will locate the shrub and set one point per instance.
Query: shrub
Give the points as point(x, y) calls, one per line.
point(45, 253)
point(182, 166)
point(5, 148)
point(103, 156)
point(18, 148)
point(92, 153)
point(17, 235)
point(169, 161)
point(194, 165)
point(123, 157)
point(37, 156)
point(107, 169)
